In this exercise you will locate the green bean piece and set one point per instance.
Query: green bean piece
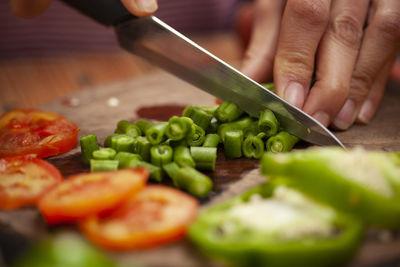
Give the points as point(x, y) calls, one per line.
point(124, 159)
point(125, 127)
point(253, 147)
point(268, 123)
point(269, 86)
point(240, 124)
point(213, 127)
point(103, 165)
point(199, 116)
point(171, 169)
point(183, 157)
point(196, 138)
point(251, 130)
point(107, 141)
point(281, 142)
point(88, 145)
point(193, 181)
point(156, 172)
point(143, 125)
point(209, 109)
point(142, 147)
point(204, 157)
point(156, 133)
point(161, 154)
point(173, 143)
point(228, 112)
point(211, 140)
point(122, 142)
point(104, 153)
point(261, 135)
point(177, 128)
point(233, 144)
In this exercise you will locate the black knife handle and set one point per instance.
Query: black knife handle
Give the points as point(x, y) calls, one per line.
point(107, 12)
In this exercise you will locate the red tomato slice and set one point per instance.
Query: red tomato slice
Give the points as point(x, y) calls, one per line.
point(90, 194)
point(24, 179)
point(155, 216)
point(31, 131)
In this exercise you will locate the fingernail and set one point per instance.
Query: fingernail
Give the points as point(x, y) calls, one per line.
point(294, 94)
point(346, 115)
point(322, 117)
point(147, 5)
point(366, 112)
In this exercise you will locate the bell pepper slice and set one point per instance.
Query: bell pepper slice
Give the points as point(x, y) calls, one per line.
point(268, 227)
point(366, 184)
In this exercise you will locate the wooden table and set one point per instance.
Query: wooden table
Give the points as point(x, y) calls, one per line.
point(159, 96)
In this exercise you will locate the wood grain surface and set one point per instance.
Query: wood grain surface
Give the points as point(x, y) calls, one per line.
point(159, 96)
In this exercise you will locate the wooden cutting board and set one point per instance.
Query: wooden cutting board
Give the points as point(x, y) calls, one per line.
point(158, 97)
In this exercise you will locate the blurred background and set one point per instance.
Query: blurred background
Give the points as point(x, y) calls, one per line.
point(62, 51)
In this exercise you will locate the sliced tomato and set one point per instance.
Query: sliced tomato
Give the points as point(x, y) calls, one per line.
point(31, 131)
point(90, 194)
point(23, 179)
point(155, 216)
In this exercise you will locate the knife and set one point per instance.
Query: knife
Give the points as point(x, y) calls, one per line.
point(160, 44)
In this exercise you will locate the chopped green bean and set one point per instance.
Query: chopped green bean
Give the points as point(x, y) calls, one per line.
point(211, 140)
point(143, 125)
point(104, 153)
point(240, 124)
point(88, 145)
point(253, 147)
point(156, 172)
point(142, 147)
point(199, 116)
point(107, 141)
point(161, 154)
point(124, 159)
point(251, 130)
point(171, 169)
point(182, 156)
point(122, 142)
point(193, 181)
point(125, 127)
point(233, 144)
point(228, 112)
point(213, 127)
point(204, 157)
point(268, 123)
point(177, 128)
point(269, 86)
point(281, 142)
point(156, 133)
point(196, 138)
point(103, 165)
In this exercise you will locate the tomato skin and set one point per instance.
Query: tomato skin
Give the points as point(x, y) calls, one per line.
point(156, 215)
point(32, 131)
point(18, 191)
point(89, 194)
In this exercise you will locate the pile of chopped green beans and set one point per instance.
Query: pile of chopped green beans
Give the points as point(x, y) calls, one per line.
point(183, 146)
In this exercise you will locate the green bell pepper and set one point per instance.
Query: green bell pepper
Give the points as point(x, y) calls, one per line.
point(366, 184)
point(276, 225)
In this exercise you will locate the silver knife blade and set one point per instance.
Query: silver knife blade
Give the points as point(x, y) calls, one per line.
point(160, 44)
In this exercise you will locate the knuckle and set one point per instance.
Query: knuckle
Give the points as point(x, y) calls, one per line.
point(295, 64)
point(315, 12)
point(388, 24)
point(360, 85)
point(347, 30)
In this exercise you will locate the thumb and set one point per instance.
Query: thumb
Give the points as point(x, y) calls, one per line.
point(140, 8)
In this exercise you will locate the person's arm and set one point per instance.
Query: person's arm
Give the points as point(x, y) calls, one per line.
point(31, 9)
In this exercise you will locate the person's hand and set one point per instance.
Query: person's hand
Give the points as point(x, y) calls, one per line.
point(33, 8)
point(349, 45)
